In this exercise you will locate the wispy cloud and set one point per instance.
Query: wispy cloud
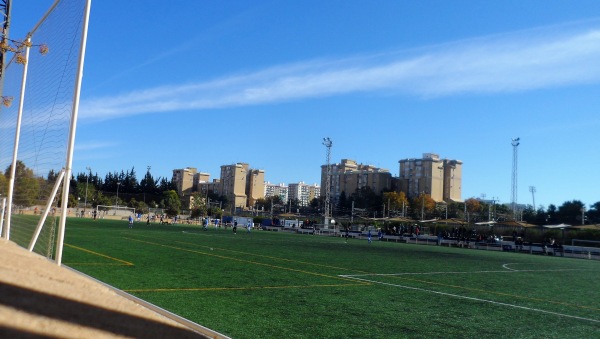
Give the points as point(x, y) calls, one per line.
point(520, 61)
point(94, 146)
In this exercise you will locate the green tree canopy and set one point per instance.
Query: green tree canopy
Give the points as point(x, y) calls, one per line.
point(171, 203)
point(27, 187)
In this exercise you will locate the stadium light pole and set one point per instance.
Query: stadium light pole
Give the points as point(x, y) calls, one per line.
point(146, 188)
point(87, 179)
point(327, 143)
point(423, 206)
point(117, 200)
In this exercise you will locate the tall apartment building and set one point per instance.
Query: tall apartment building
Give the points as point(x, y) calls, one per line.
point(277, 190)
point(303, 193)
point(186, 180)
point(255, 185)
point(213, 187)
point(242, 185)
point(349, 177)
point(439, 178)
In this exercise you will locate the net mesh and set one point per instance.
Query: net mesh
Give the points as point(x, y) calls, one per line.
point(52, 66)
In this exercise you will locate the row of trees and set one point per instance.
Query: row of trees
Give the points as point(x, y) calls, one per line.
point(368, 203)
point(123, 188)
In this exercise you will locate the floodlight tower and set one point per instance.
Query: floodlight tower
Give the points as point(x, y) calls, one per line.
point(533, 190)
point(327, 143)
point(515, 144)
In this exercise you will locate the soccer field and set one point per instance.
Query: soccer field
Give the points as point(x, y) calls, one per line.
point(273, 284)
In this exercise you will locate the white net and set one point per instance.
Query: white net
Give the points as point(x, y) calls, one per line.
point(52, 65)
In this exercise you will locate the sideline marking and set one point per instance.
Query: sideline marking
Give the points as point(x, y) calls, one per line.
point(101, 255)
point(476, 299)
point(237, 288)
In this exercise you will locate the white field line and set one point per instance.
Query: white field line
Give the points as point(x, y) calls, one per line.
point(508, 270)
point(468, 298)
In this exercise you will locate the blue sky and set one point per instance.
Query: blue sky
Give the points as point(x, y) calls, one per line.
point(208, 83)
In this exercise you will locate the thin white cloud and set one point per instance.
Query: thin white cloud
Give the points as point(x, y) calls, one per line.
point(94, 146)
point(521, 61)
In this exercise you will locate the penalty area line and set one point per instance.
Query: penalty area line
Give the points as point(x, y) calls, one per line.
point(472, 299)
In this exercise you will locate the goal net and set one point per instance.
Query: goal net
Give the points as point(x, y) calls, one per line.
point(40, 83)
point(103, 211)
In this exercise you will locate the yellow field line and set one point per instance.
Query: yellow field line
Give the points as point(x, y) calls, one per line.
point(100, 254)
point(247, 261)
point(93, 264)
point(270, 257)
point(499, 293)
point(237, 288)
point(276, 258)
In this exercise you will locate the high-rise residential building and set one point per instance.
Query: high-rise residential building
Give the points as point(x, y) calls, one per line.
point(233, 184)
point(277, 190)
point(187, 180)
point(239, 183)
point(184, 180)
point(255, 185)
point(349, 177)
point(242, 185)
point(212, 187)
point(439, 178)
point(303, 193)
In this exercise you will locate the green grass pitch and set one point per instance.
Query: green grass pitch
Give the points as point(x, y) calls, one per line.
point(275, 285)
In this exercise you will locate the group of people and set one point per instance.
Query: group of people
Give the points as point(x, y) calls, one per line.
point(248, 226)
point(369, 234)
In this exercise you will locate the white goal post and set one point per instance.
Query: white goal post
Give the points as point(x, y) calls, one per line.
point(38, 131)
point(123, 211)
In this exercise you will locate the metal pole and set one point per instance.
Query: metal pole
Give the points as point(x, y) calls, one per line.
point(423, 206)
point(13, 167)
point(327, 143)
point(87, 179)
point(515, 143)
point(5, 28)
point(117, 199)
point(2, 215)
point(71, 146)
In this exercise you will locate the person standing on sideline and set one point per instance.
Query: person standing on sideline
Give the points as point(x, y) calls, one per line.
point(130, 221)
point(249, 226)
point(369, 236)
point(235, 227)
